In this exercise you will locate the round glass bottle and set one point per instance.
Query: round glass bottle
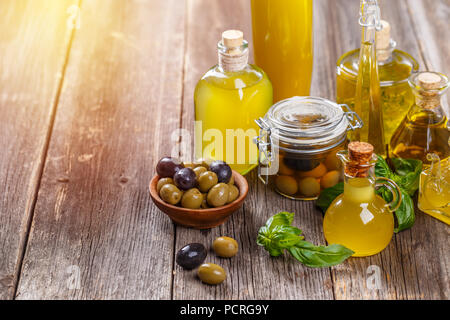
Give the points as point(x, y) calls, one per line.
point(359, 219)
point(394, 69)
point(298, 142)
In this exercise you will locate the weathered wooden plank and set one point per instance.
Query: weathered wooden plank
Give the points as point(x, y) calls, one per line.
point(416, 258)
point(34, 40)
point(252, 274)
point(96, 234)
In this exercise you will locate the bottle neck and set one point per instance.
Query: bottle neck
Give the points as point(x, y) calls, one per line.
point(232, 59)
point(361, 190)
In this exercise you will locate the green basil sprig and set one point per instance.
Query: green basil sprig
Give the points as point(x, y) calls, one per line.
point(406, 174)
point(279, 235)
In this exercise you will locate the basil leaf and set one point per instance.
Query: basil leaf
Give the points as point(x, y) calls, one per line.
point(320, 256)
point(327, 196)
point(407, 174)
point(280, 219)
point(265, 239)
point(405, 213)
point(382, 168)
point(286, 236)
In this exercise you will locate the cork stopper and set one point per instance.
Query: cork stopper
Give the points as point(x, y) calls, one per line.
point(360, 156)
point(232, 38)
point(384, 35)
point(429, 81)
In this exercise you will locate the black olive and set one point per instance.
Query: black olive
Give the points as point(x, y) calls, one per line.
point(191, 256)
point(222, 170)
point(167, 167)
point(185, 179)
point(301, 164)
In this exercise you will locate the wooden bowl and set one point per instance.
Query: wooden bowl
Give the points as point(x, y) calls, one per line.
point(200, 218)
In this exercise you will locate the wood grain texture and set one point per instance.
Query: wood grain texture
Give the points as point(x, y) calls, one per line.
point(253, 274)
point(94, 220)
point(34, 40)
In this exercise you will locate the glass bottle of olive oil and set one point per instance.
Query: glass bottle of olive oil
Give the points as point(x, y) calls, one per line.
point(283, 44)
point(425, 129)
point(367, 92)
point(228, 99)
point(394, 69)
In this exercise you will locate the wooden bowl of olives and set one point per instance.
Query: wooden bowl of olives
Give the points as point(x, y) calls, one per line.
point(199, 195)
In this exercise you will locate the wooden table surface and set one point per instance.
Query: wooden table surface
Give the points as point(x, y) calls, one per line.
point(90, 92)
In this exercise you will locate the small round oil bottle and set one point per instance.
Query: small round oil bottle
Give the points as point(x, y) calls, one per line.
point(359, 219)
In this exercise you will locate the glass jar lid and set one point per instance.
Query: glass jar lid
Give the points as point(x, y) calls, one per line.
point(309, 123)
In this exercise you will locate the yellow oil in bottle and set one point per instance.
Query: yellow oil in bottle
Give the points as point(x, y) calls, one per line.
point(359, 219)
point(425, 128)
point(283, 44)
point(227, 102)
point(394, 69)
point(434, 192)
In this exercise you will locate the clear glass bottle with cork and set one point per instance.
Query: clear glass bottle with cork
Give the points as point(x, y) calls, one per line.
point(425, 129)
point(394, 69)
point(228, 98)
point(359, 219)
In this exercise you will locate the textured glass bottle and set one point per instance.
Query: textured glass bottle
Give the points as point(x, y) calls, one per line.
point(425, 129)
point(228, 98)
point(394, 69)
point(283, 43)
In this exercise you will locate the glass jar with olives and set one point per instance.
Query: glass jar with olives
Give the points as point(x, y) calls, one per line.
point(298, 142)
point(200, 185)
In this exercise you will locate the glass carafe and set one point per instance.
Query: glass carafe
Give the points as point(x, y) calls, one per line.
point(283, 44)
point(434, 194)
point(360, 219)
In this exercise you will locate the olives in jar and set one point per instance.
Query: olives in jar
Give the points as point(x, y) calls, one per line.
point(191, 256)
point(218, 195)
point(167, 167)
point(162, 182)
point(207, 180)
point(185, 179)
point(225, 247)
point(192, 199)
point(233, 193)
point(286, 185)
point(170, 194)
point(211, 273)
point(222, 170)
point(309, 187)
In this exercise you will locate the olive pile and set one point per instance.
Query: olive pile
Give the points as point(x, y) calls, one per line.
point(196, 185)
point(193, 255)
point(306, 178)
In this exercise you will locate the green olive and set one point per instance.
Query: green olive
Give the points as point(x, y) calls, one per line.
point(233, 193)
point(207, 180)
point(163, 181)
point(192, 199)
point(231, 182)
point(211, 273)
point(218, 195)
point(191, 165)
point(309, 187)
point(286, 185)
point(203, 162)
point(199, 170)
point(225, 247)
point(205, 202)
point(170, 194)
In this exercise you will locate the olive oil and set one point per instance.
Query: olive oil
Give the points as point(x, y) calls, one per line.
point(425, 129)
point(228, 98)
point(283, 43)
point(394, 69)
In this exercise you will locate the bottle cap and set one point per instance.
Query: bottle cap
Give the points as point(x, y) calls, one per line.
point(429, 81)
point(360, 156)
point(384, 36)
point(233, 38)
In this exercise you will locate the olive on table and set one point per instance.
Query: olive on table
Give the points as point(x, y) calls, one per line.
point(222, 170)
point(185, 179)
point(330, 179)
point(233, 193)
point(225, 247)
point(207, 180)
point(191, 255)
point(162, 182)
point(211, 273)
point(192, 199)
point(170, 194)
point(309, 187)
point(218, 195)
point(167, 167)
point(286, 185)
point(199, 170)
